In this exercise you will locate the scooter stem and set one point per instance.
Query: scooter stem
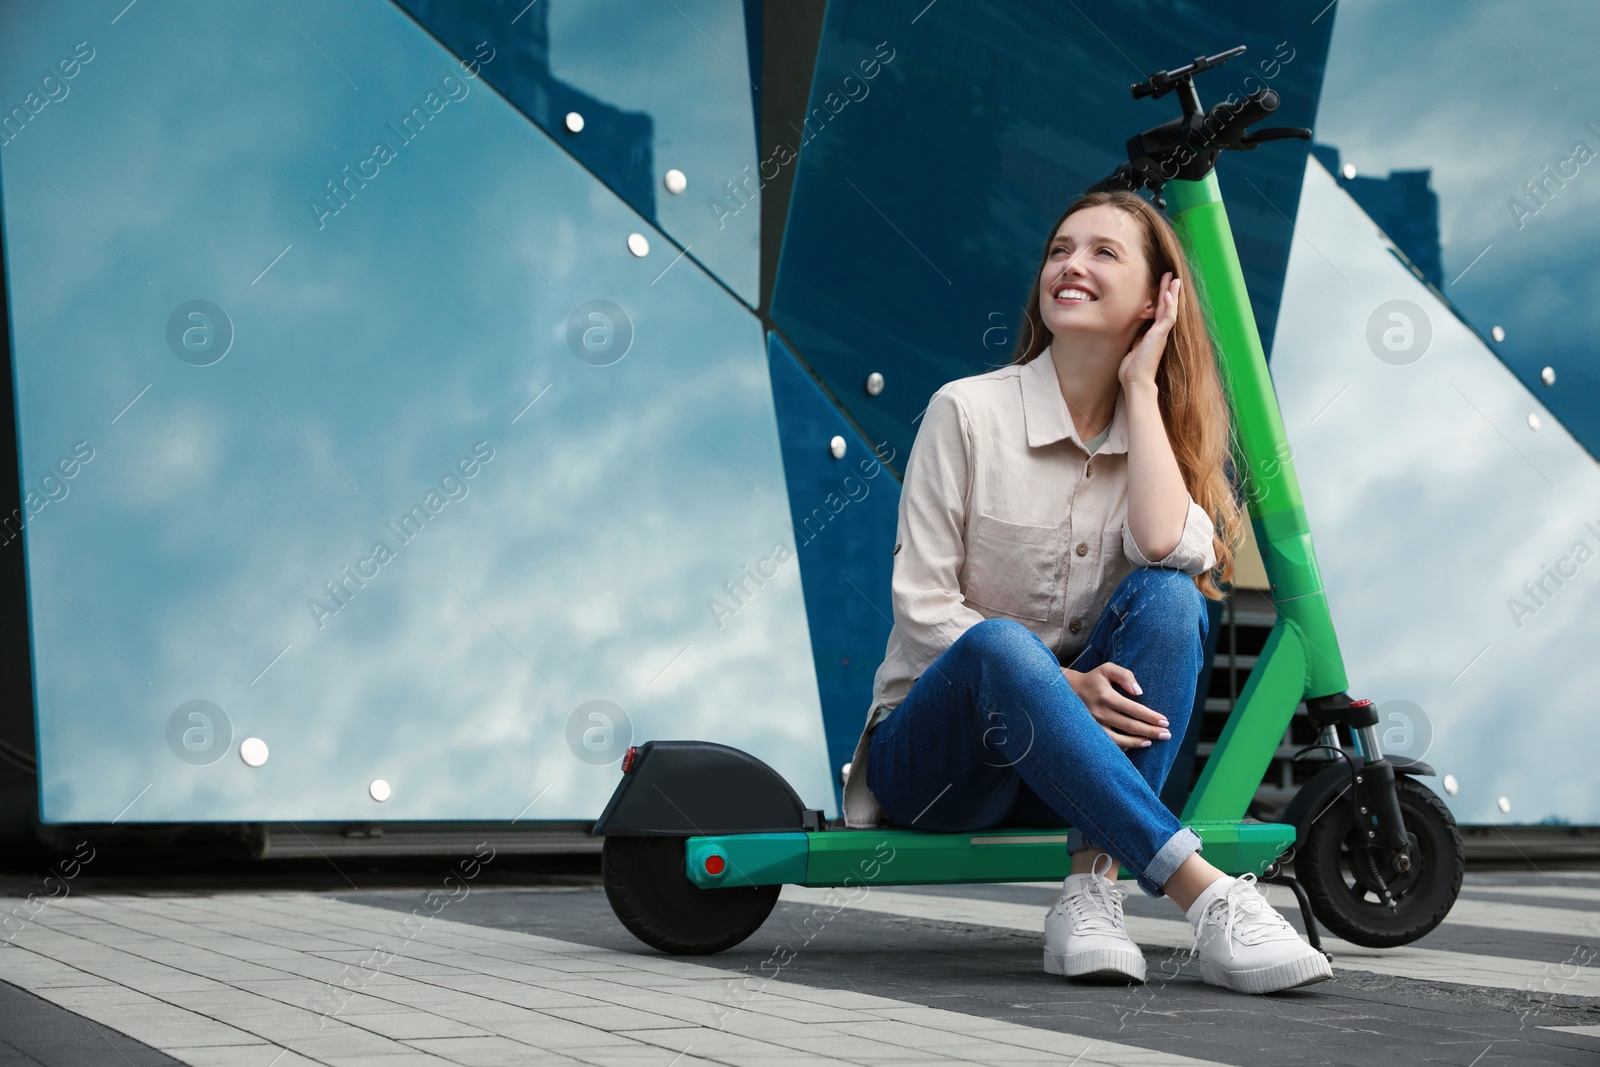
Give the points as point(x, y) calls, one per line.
point(1302, 658)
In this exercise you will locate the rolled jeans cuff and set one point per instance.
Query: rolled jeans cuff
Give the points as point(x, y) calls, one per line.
point(1171, 856)
point(1076, 842)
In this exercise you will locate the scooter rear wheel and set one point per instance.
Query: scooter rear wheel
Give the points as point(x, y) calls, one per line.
point(1348, 899)
point(653, 897)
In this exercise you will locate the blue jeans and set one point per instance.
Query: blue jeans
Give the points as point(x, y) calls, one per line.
point(993, 735)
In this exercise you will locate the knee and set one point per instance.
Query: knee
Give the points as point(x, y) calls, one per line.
point(1007, 642)
point(997, 636)
point(1173, 596)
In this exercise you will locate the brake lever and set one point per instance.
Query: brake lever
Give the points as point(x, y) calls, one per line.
point(1275, 133)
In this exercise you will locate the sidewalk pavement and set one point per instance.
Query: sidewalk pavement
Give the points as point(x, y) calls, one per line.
point(546, 975)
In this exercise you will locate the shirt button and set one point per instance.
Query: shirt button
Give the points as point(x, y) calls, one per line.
point(1083, 548)
point(1077, 624)
point(1088, 469)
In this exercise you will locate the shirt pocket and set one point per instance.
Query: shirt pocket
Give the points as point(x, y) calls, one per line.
point(1011, 568)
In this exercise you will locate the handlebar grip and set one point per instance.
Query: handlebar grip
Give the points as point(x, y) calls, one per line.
point(1226, 123)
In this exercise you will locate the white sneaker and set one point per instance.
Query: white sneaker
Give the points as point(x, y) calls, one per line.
point(1084, 935)
point(1244, 944)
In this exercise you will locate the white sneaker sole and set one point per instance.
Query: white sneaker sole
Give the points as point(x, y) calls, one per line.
point(1096, 963)
point(1288, 975)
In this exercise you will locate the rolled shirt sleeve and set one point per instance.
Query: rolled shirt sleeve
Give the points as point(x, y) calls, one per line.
point(929, 609)
point(1195, 553)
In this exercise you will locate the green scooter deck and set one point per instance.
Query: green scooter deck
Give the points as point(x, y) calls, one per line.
point(919, 857)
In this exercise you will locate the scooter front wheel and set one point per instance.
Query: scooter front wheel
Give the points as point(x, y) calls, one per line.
point(653, 897)
point(1348, 897)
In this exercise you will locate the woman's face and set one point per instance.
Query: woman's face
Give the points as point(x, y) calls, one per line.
point(1094, 277)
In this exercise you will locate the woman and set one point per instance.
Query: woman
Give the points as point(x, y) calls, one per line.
point(1075, 486)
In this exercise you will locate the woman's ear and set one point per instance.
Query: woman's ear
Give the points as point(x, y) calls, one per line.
point(1151, 304)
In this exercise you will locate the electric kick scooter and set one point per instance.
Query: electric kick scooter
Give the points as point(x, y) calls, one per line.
point(701, 837)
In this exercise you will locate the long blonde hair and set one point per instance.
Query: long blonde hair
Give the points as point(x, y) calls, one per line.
point(1188, 386)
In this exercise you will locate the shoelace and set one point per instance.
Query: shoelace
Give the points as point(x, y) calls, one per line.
point(1244, 901)
point(1098, 904)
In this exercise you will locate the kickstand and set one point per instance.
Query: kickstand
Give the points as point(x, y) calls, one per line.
point(1306, 917)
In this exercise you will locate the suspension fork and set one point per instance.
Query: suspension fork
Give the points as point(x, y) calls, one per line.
point(1377, 801)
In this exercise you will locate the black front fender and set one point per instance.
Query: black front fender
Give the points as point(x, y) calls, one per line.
point(1333, 782)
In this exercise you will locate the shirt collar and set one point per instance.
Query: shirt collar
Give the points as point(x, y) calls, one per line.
point(1044, 409)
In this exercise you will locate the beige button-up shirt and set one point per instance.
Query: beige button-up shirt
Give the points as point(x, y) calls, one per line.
point(1005, 514)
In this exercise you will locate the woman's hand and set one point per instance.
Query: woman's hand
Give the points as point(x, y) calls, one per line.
point(1126, 721)
point(1140, 364)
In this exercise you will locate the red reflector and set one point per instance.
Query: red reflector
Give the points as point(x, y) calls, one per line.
point(1363, 702)
point(714, 865)
point(628, 758)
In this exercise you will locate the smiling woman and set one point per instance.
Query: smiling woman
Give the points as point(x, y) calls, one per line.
point(1050, 613)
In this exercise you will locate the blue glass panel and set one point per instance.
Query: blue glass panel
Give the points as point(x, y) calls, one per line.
point(924, 193)
point(1416, 95)
point(384, 360)
point(752, 46)
point(1456, 540)
point(844, 512)
point(659, 86)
